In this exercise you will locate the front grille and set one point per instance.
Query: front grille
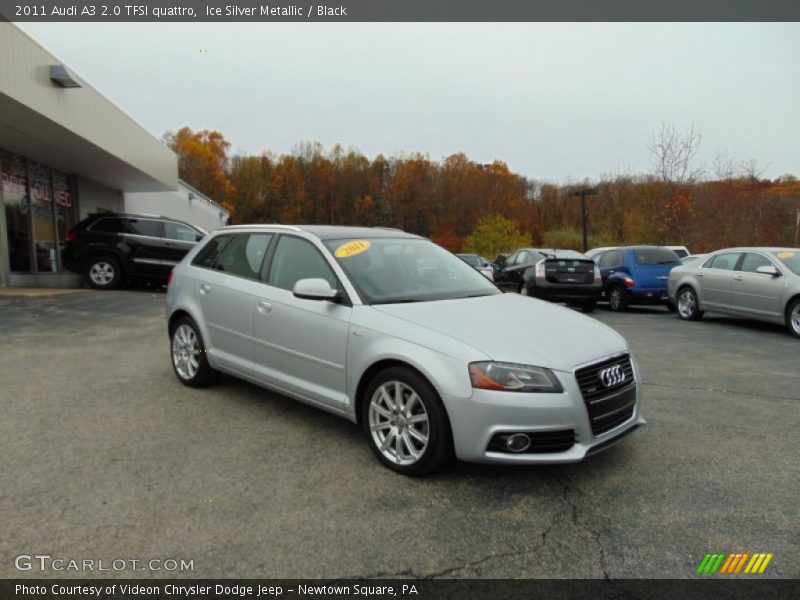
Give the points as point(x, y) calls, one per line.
point(542, 442)
point(608, 405)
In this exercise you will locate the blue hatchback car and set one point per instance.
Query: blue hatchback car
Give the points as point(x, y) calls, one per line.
point(636, 275)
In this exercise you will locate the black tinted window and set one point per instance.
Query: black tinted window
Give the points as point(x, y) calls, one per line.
point(244, 255)
point(209, 252)
point(297, 259)
point(110, 225)
point(179, 231)
point(655, 256)
point(146, 227)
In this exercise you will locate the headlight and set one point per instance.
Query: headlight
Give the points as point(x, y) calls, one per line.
point(513, 378)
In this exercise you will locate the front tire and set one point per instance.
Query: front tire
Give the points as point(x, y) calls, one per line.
point(103, 273)
point(616, 298)
point(688, 306)
point(523, 289)
point(793, 317)
point(406, 423)
point(588, 306)
point(188, 354)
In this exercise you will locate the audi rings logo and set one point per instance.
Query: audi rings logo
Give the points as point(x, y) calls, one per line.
point(612, 376)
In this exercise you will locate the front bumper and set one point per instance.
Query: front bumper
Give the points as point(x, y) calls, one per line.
point(476, 421)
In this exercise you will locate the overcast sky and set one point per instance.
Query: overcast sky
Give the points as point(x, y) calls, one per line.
point(555, 101)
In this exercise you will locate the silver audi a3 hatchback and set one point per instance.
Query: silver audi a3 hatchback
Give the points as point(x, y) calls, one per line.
point(397, 334)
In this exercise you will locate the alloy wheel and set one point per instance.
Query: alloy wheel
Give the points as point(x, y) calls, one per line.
point(185, 352)
point(687, 304)
point(398, 423)
point(794, 319)
point(615, 299)
point(102, 273)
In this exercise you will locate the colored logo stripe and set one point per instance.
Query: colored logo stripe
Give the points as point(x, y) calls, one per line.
point(734, 563)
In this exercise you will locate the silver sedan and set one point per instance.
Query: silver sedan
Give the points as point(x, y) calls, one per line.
point(761, 283)
point(390, 331)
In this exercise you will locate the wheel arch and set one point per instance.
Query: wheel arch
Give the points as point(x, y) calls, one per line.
point(379, 366)
point(792, 299)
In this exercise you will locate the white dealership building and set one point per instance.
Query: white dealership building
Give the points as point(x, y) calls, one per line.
point(67, 151)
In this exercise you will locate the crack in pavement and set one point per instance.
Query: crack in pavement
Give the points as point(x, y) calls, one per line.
point(720, 390)
point(566, 496)
point(410, 572)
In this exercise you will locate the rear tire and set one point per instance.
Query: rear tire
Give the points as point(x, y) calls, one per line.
point(406, 423)
point(616, 298)
point(188, 354)
point(793, 317)
point(688, 306)
point(671, 307)
point(523, 289)
point(588, 306)
point(103, 273)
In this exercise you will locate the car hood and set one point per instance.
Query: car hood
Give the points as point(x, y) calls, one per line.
point(514, 328)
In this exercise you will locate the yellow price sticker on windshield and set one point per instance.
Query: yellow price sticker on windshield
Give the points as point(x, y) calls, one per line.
point(352, 248)
point(785, 254)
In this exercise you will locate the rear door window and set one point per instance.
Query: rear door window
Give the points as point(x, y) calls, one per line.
point(244, 255)
point(725, 261)
point(110, 225)
point(146, 227)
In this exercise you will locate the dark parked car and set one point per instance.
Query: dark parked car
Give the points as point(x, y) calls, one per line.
point(636, 275)
point(110, 248)
point(479, 263)
point(556, 275)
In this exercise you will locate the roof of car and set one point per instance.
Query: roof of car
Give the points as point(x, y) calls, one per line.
point(759, 249)
point(332, 232)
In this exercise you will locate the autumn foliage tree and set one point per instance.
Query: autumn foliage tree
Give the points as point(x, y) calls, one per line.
point(494, 235)
point(463, 204)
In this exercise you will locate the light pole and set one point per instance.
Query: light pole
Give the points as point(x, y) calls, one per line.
point(582, 193)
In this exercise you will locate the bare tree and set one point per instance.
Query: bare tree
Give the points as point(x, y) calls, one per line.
point(674, 153)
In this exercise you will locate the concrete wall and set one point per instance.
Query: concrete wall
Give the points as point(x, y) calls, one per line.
point(185, 204)
point(95, 197)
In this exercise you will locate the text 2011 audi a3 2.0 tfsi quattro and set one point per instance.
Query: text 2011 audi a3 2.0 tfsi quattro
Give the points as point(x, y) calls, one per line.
point(395, 333)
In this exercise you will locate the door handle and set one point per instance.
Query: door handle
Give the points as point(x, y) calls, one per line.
point(170, 244)
point(739, 277)
point(264, 307)
point(205, 288)
point(701, 274)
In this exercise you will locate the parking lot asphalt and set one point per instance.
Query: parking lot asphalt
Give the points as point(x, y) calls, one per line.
point(105, 455)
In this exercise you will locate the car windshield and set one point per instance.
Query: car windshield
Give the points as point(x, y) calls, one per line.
point(790, 258)
point(471, 259)
point(387, 271)
point(655, 256)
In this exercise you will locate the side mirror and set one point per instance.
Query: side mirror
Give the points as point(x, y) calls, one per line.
point(501, 262)
point(199, 237)
point(315, 288)
point(768, 270)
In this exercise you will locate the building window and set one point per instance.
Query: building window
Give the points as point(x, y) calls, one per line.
point(15, 198)
point(40, 209)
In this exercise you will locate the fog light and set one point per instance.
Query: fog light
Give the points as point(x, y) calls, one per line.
point(519, 442)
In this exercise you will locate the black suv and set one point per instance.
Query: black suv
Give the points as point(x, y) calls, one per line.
point(110, 248)
point(556, 275)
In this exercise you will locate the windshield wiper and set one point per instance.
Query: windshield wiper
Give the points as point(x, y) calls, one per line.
point(398, 301)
